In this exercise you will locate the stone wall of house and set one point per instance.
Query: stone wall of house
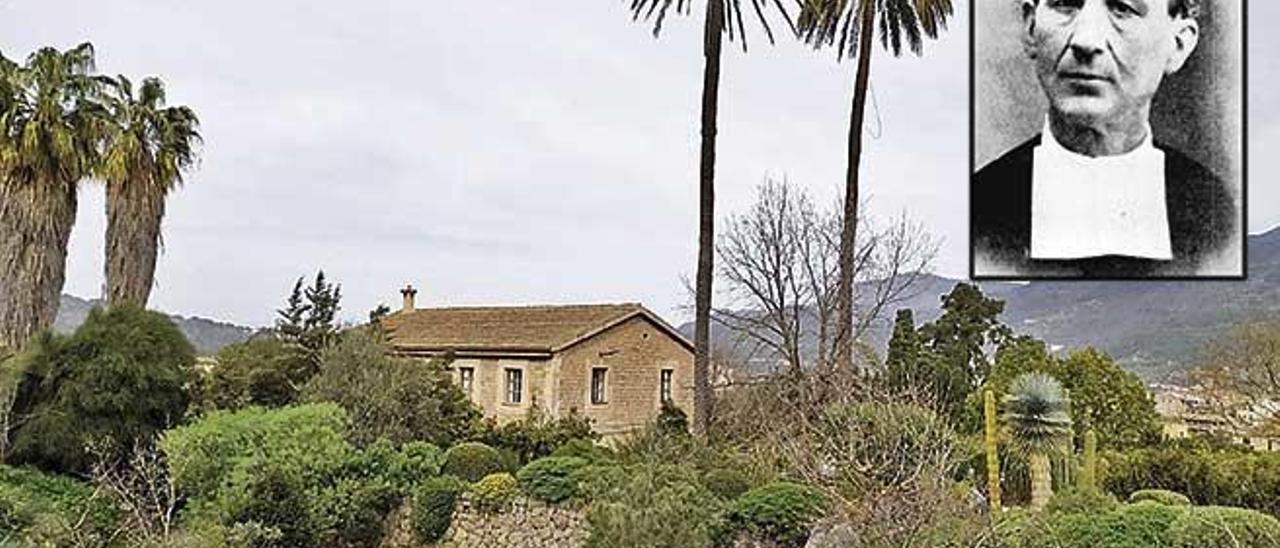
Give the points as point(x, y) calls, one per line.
point(634, 353)
point(526, 523)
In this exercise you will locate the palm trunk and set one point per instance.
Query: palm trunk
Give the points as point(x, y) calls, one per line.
point(702, 394)
point(134, 212)
point(849, 230)
point(1041, 480)
point(36, 217)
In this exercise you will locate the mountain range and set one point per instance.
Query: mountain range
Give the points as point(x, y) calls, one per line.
point(1156, 329)
point(206, 335)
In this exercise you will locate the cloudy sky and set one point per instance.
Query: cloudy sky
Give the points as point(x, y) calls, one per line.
point(510, 152)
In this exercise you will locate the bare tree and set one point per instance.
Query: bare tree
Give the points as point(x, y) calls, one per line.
point(143, 490)
point(1240, 375)
point(779, 275)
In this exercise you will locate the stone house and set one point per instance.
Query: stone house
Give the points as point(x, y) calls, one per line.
point(613, 363)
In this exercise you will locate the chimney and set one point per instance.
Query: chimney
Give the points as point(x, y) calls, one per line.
point(408, 293)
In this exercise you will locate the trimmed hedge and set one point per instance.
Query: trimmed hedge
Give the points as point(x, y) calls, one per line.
point(780, 512)
point(1162, 496)
point(1223, 527)
point(433, 506)
point(587, 450)
point(1082, 501)
point(551, 479)
point(494, 491)
point(471, 461)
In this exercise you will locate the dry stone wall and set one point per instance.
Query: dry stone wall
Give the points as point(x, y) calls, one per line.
point(525, 523)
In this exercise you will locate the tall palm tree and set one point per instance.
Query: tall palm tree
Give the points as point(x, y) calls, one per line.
point(1038, 422)
point(146, 149)
point(722, 16)
point(850, 26)
point(49, 129)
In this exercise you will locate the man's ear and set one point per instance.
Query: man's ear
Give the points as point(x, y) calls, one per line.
point(1185, 37)
point(1029, 27)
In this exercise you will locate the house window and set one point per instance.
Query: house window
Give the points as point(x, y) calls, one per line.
point(598, 375)
point(664, 384)
point(515, 385)
point(466, 376)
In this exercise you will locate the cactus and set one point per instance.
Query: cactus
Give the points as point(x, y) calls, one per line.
point(1089, 476)
point(993, 457)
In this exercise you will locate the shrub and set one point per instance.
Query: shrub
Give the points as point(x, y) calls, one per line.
point(551, 478)
point(271, 497)
point(30, 499)
point(538, 434)
point(780, 512)
point(119, 378)
point(1222, 527)
point(471, 461)
point(263, 371)
point(495, 491)
point(351, 512)
point(672, 421)
point(422, 460)
point(877, 445)
point(1082, 501)
point(433, 504)
point(1206, 474)
point(726, 483)
point(394, 398)
point(308, 438)
point(648, 505)
point(1162, 496)
point(587, 450)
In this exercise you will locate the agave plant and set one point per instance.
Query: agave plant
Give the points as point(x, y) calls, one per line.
point(1037, 419)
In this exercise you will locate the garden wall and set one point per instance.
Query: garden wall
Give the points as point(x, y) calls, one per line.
point(526, 523)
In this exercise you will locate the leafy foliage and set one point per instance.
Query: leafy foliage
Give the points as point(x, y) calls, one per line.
point(672, 421)
point(726, 483)
point(119, 378)
point(538, 434)
point(1222, 527)
point(1037, 415)
point(389, 397)
point(551, 478)
point(306, 322)
point(1204, 473)
point(33, 503)
point(1162, 496)
point(495, 491)
point(471, 461)
point(780, 512)
point(262, 371)
point(648, 505)
point(587, 450)
point(433, 504)
point(1082, 501)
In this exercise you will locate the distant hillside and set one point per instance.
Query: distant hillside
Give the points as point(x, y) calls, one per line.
point(208, 336)
point(1155, 329)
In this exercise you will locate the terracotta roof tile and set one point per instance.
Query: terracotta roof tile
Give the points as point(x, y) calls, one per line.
point(535, 328)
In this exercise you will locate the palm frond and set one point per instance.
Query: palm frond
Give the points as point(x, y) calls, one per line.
point(733, 22)
point(823, 23)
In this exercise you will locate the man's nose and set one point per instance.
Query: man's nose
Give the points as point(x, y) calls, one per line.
point(1089, 35)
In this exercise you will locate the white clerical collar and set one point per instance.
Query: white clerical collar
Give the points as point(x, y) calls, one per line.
point(1084, 206)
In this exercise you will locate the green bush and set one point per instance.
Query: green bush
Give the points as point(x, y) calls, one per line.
point(471, 461)
point(271, 497)
point(1162, 496)
point(1141, 525)
point(422, 460)
point(780, 512)
point(1207, 474)
point(1222, 527)
point(551, 478)
point(648, 505)
point(672, 421)
point(309, 438)
point(726, 483)
point(587, 450)
point(264, 371)
point(351, 512)
point(433, 504)
point(30, 499)
point(1082, 501)
point(118, 379)
point(538, 434)
point(495, 491)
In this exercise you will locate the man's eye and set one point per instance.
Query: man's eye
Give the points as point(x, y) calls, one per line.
point(1123, 9)
point(1065, 5)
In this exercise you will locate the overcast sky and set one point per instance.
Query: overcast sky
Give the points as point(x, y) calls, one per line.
point(510, 152)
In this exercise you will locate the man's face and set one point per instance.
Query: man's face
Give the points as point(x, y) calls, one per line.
point(1101, 60)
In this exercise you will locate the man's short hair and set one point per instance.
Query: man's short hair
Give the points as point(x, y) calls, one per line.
point(1177, 8)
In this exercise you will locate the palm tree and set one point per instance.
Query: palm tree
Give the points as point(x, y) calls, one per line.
point(722, 16)
point(1038, 422)
point(49, 129)
point(146, 149)
point(850, 25)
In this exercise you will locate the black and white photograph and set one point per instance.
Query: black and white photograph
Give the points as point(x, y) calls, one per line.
point(1108, 139)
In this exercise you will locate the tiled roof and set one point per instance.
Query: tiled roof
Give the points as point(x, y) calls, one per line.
point(530, 329)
